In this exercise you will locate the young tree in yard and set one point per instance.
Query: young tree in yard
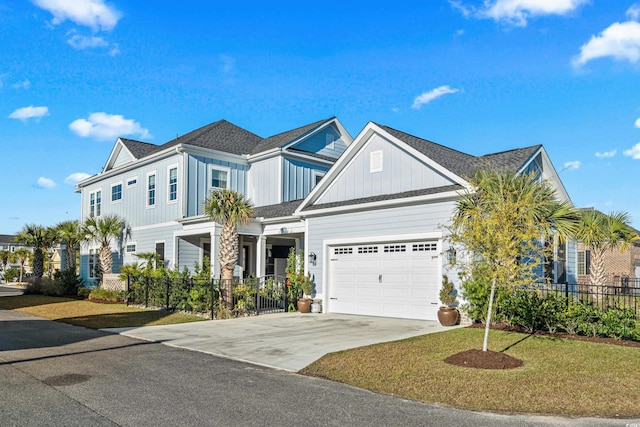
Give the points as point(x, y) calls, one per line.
point(502, 222)
point(600, 233)
point(70, 234)
point(40, 239)
point(103, 230)
point(22, 255)
point(229, 208)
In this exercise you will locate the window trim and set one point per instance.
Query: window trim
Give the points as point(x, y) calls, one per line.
point(93, 263)
point(227, 170)
point(135, 247)
point(97, 205)
point(376, 161)
point(169, 200)
point(155, 190)
point(315, 175)
point(131, 178)
point(115, 184)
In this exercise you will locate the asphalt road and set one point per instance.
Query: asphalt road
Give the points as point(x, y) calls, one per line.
point(52, 374)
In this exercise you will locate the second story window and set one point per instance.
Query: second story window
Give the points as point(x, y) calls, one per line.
point(173, 184)
point(219, 178)
point(151, 190)
point(116, 193)
point(95, 203)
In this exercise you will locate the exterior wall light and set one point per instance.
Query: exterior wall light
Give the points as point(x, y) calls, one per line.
point(312, 258)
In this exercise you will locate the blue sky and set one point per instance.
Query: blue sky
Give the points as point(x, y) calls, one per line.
point(477, 76)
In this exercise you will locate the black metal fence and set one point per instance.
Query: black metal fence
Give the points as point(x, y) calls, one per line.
point(621, 295)
point(212, 297)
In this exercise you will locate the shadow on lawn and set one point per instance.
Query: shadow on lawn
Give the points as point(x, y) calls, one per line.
point(118, 320)
point(14, 302)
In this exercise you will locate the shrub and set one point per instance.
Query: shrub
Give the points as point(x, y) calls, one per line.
point(45, 286)
point(84, 292)
point(69, 281)
point(10, 274)
point(106, 295)
point(476, 292)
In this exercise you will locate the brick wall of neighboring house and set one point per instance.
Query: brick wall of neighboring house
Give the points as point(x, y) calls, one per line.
point(616, 263)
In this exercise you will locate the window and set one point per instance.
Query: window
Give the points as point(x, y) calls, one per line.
point(132, 182)
point(93, 265)
point(95, 203)
point(219, 178)
point(151, 190)
point(116, 192)
point(160, 251)
point(131, 247)
point(375, 161)
point(584, 261)
point(173, 184)
point(317, 177)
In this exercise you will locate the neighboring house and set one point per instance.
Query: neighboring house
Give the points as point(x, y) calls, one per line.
point(372, 227)
point(619, 265)
point(160, 190)
point(8, 243)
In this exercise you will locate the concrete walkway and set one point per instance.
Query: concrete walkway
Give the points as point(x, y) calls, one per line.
point(288, 341)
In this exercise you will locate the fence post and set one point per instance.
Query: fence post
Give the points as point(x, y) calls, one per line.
point(566, 292)
point(213, 295)
point(167, 294)
point(128, 289)
point(146, 292)
point(257, 296)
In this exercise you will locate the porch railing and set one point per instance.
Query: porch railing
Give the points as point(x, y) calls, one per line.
point(214, 298)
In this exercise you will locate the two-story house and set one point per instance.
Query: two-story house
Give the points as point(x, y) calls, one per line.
point(159, 190)
point(371, 213)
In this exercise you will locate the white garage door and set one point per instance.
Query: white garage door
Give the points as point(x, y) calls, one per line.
point(385, 279)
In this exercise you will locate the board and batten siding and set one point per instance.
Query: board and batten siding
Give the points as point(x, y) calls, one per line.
point(400, 172)
point(133, 205)
point(299, 178)
point(124, 157)
point(199, 180)
point(327, 142)
point(264, 182)
point(147, 237)
point(406, 221)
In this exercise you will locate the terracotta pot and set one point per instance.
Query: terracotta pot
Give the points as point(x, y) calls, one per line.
point(304, 305)
point(448, 316)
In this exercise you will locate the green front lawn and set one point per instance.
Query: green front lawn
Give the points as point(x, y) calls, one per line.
point(559, 376)
point(90, 314)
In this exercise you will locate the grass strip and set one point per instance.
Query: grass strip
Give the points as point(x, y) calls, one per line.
point(559, 376)
point(90, 314)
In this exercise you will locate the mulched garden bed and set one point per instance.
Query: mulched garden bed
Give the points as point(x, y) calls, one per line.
point(496, 360)
point(600, 340)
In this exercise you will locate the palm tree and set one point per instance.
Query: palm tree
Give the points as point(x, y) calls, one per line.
point(5, 256)
point(501, 221)
point(229, 208)
point(22, 255)
point(40, 239)
point(600, 233)
point(103, 230)
point(70, 233)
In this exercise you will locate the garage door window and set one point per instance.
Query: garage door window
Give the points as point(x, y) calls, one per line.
point(367, 249)
point(395, 248)
point(424, 247)
point(343, 251)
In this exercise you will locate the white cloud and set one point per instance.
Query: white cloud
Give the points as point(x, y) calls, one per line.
point(517, 12)
point(78, 41)
point(633, 152)
point(107, 126)
point(427, 97)
point(29, 112)
point(94, 14)
point(637, 123)
point(621, 40)
point(46, 182)
point(633, 13)
point(76, 177)
point(573, 165)
point(606, 154)
point(115, 49)
point(25, 84)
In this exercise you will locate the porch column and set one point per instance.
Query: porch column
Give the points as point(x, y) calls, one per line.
point(261, 256)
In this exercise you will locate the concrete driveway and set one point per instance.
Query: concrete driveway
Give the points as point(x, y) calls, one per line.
point(288, 341)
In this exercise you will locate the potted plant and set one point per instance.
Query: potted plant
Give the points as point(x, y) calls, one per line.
point(299, 285)
point(448, 314)
point(304, 303)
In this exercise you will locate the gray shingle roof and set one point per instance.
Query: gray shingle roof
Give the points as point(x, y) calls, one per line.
point(462, 164)
point(284, 138)
point(382, 197)
point(277, 210)
point(139, 149)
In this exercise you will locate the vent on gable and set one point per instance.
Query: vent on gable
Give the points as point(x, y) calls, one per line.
point(375, 164)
